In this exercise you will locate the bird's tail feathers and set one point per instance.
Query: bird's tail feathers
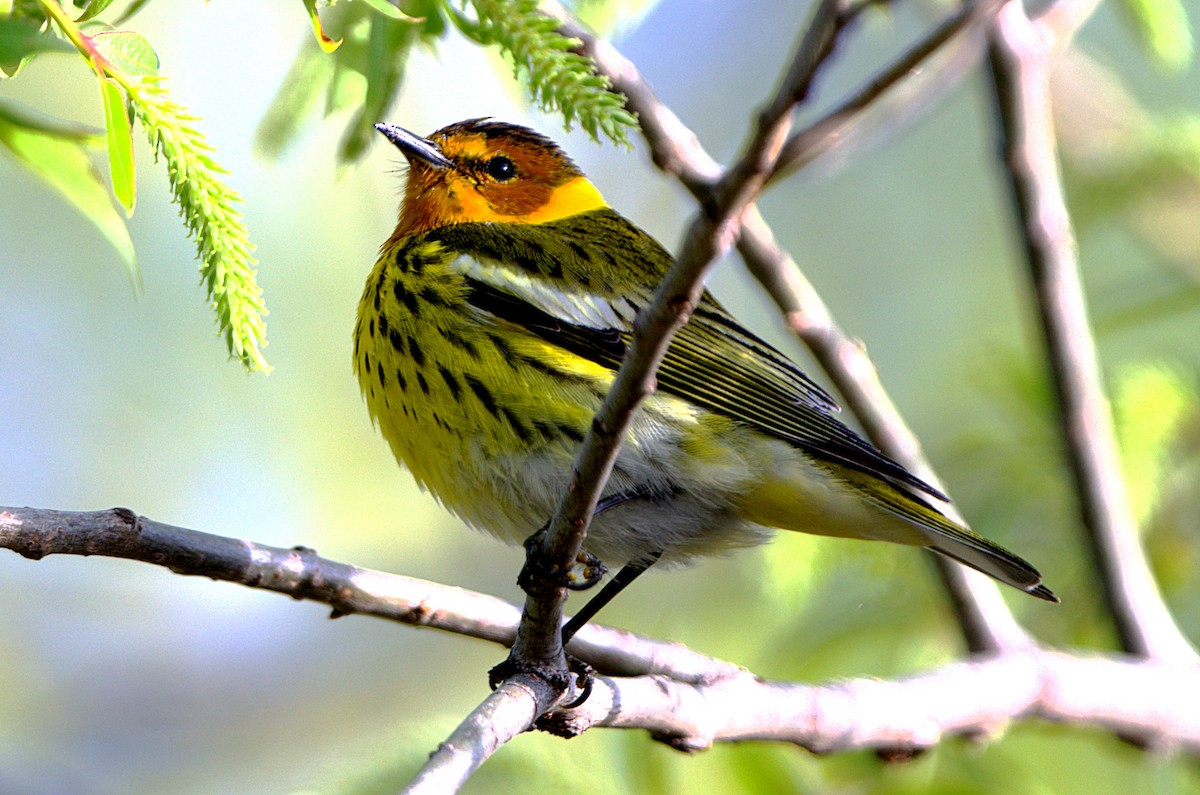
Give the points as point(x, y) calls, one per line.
point(946, 538)
point(994, 560)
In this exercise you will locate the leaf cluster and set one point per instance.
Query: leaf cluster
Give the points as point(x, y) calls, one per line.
point(126, 68)
point(372, 46)
point(558, 78)
point(363, 68)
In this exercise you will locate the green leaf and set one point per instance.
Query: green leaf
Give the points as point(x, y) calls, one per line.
point(295, 99)
point(327, 44)
point(24, 116)
point(1163, 27)
point(388, 45)
point(62, 162)
point(20, 39)
point(210, 211)
point(120, 145)
point(389, 10)
point(1152, 402)
point(130, 10)
point(93, 8)
point(348, 84)
point(127, 51)
point(558, 78)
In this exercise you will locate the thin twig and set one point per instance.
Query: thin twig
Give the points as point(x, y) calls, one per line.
point(986, 622)
point(711, 233)
point(303, 574)
point(506, 712)
point(915, 83)
point(811, 142)
point(1021, 55)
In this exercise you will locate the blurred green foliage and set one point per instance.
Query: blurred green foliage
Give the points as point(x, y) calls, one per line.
point(377, 38)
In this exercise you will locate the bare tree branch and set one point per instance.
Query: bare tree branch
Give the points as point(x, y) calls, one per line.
point(1020, 55)
point(895, 98)
point(986, 621)
point(508, 711)
point(1156, 703)
point(689, 706)
point(711, 233)
point(302, 574)
point(810, 143)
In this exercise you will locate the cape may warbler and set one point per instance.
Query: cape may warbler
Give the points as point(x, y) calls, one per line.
point(491, 328)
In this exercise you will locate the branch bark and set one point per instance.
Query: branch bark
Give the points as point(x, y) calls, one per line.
point(710, 234)
point(684, 699)
point(1020, 56)
point(986, 622)
point(301, 573)
point(1154, 704)
point(810, 143)
point(508, 710)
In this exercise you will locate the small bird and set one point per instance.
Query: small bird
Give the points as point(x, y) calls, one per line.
point(492, 326)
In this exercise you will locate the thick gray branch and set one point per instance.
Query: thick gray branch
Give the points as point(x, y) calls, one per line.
point(688, 700)
point(1155, 704)
point(302, 574)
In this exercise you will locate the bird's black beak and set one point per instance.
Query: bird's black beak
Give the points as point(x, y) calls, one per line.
point(414, 146)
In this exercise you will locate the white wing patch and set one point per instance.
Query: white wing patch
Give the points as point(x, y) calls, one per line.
point(578, 308)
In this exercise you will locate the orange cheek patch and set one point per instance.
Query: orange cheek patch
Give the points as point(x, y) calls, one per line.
point(519, 198)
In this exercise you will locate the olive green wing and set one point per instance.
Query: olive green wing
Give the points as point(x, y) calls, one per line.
point(549, 279)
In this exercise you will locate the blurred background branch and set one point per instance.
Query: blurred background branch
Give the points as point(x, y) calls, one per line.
point(985, 620)
point(1021, 55)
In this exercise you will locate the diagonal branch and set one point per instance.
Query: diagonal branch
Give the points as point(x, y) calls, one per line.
point(538, 647)
point(986, 622)
point(508, 711)
point(814, 140)
point(711, 233)
point(1021, 54)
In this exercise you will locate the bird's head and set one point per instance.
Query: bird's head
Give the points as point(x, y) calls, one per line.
point(487, 171)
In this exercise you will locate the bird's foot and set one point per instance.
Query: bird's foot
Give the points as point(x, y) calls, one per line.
point(587, 571)
point(576, 673)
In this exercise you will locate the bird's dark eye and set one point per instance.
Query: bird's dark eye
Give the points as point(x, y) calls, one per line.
point(501, 169)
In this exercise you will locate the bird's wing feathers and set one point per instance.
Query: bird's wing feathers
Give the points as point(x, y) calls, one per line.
point(513, 274)
point(571, 306)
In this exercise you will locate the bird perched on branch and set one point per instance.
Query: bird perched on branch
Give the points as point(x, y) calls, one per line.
point(494, 322)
